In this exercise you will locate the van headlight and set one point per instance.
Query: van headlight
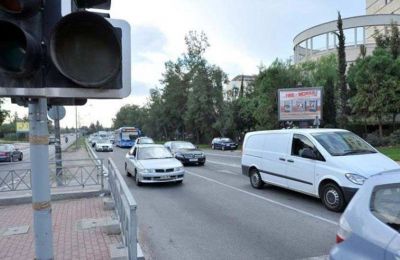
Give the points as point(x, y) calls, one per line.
point(355, 178)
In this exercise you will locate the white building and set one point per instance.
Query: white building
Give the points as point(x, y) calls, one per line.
point(232, 89)
point(321, 39)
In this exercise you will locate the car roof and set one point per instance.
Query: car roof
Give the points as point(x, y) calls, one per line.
point(386, 177)
point(149, 145)
point(299, 130)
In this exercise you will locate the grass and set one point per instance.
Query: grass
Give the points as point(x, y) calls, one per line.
point(392, 152)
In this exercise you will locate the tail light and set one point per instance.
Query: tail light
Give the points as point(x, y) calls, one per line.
point(344, 230)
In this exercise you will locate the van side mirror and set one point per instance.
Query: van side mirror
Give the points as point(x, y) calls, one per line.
point(309, 154)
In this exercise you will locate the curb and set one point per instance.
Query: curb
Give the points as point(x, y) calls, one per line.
point(25, 199)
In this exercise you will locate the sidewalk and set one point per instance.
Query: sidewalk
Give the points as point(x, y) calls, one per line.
point(69, 240)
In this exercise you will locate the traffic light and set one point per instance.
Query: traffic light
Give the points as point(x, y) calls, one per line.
point(66, 59)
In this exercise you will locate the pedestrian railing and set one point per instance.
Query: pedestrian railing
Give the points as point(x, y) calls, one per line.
point(125, 206)
point(65, 173)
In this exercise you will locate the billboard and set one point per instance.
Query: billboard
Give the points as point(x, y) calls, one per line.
point(23, 127)
point(297, 104)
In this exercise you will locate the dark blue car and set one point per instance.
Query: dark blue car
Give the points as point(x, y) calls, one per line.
point(223, 143)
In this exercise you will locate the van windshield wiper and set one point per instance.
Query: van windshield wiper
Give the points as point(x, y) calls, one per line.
point(357, 151)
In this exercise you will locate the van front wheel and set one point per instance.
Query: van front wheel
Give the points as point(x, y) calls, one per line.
point(333, 198)
point(255, 179)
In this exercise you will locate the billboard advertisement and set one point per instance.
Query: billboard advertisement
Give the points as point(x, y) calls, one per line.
point(296, 104)
point(23, 127)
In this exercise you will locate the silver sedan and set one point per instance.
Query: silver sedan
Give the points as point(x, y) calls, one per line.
point(150, 163)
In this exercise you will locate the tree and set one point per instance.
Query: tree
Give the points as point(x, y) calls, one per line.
point(342, 84)
point(376, 78)
point(3, 113)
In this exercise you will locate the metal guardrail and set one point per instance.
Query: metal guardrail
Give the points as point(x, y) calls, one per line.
point(72, 173)
point(125, 206)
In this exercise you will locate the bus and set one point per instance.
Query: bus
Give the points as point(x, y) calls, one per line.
point(126, 136)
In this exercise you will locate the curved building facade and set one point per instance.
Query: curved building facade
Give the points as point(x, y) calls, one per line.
point(321, 39)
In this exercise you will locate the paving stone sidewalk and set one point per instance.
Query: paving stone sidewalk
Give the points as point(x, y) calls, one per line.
point(70, 242)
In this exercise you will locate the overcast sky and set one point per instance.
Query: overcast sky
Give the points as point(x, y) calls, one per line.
point(242, 34)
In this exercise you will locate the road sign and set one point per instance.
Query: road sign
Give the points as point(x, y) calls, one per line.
point(57, 112)
point(22, 127)
point(77, 56)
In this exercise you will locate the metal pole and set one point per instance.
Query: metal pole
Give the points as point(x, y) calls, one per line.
point(76, 128)
point(58, 147)
point(39, 141)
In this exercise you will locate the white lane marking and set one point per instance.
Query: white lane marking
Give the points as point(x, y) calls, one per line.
point(322, 257)
point(225, 164)
point(266, 199)
point(223, 155)
point(226, 171)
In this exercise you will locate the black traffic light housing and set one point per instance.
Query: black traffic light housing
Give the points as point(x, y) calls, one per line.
point(78, 56)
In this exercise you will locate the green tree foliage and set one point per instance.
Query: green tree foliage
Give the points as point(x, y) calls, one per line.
point(342, 84)
point(129, 115)
point(376, 78)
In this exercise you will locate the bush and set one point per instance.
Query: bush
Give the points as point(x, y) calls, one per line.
point(394, 137)
point(375, 140)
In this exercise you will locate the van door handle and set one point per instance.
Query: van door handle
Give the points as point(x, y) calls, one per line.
point(290, 161)
point(282, 159)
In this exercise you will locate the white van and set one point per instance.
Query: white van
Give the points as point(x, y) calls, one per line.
point(327, 163)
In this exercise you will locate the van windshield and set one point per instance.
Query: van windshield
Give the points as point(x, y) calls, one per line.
point(343, 143)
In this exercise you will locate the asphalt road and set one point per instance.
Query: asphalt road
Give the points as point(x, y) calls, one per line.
point(216, 214)
point(24, 148)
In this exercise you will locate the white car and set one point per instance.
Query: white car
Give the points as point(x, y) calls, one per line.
point(369, 227)
point(151, 163)
point(103, 145)
point(331, 164)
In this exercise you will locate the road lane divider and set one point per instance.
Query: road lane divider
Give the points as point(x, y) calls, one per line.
point(222, 155)
point(300, 211)
point(225, 164)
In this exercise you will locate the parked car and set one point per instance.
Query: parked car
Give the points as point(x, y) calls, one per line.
point(143, 140)
point(8, 153)
point(186, 152)
point(330, 164)
point(150, 163)
point(223, 143)
point(370, 226)
point(52, 139)
point(103, 145)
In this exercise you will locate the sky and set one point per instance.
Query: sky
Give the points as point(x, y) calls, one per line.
point(243, 34)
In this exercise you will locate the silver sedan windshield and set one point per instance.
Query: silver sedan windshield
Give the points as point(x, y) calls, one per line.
point(146, 153)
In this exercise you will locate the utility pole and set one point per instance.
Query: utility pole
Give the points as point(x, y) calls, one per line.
point(39, 141)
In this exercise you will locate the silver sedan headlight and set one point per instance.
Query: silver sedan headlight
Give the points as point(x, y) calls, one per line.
point(146, 170)
point(178, 169)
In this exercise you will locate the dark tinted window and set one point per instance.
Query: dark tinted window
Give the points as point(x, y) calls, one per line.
point(385, 204)
point(300, 142)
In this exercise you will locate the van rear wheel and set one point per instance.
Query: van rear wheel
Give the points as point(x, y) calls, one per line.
point(255, 179)
point(332, 197)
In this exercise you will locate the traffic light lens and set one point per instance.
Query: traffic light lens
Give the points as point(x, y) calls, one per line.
point(84, 47)
point(12, 48)
point(11, 6)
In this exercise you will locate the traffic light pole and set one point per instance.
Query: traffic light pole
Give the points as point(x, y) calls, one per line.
point(38, 139)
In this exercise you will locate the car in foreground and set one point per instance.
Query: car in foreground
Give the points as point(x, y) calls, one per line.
point(223, 143)
point(8, 153)
point(369, 228)
point(143, 140)
point(153, 163)
point(331, 164)
point(186, 152)
point(103, 145)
